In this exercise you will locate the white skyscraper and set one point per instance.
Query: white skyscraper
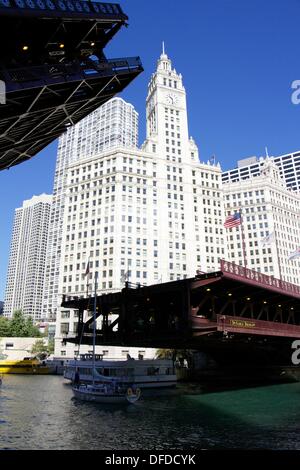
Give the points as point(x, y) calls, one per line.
point(26, 269)
point(288, 164)
point(149, 215)
point(113, 124)
point(271, 224)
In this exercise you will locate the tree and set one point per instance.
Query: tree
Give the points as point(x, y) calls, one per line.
point(17, 324)
point(166, 354)
point(178, 355)
point(5, 329)
point(23, 327)
point(30, 329)
point(40, 349)
point(51, 346)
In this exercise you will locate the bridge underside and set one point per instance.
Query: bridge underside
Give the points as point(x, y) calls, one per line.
point(54, 70)
point(211, 312)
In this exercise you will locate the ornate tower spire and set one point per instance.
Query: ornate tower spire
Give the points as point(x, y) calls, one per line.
point(167, 122)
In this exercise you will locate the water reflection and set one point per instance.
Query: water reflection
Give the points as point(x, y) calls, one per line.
point(41, 413)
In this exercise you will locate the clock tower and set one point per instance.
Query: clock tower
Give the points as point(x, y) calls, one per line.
point(166, 114)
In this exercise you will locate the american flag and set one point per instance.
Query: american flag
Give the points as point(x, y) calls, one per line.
point(87, 271)
point(294, 254)
point(233, 220)
point(268, 239)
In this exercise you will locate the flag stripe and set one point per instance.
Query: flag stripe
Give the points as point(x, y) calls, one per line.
point(233, 220)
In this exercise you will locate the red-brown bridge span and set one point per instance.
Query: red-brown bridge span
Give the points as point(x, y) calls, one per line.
point(233, 313)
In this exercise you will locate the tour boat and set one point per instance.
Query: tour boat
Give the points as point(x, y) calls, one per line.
point(142, 373)
point(29, 366)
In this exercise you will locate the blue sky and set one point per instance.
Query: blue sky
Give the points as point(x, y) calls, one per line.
point(238, 60)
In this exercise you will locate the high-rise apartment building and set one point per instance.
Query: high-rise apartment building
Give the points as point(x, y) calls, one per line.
point(114, 124)
point(270, 223)
point(288, 164)
point(26, 268)
point(149, 215)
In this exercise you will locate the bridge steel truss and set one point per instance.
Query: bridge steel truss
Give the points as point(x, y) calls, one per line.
point(53, 71)
point(209, 312)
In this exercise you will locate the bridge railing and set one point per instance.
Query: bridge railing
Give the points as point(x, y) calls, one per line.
point(67, 71)
point(69, 8)
point(263, 279)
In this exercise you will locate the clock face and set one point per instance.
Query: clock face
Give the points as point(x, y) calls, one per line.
point(171, 98)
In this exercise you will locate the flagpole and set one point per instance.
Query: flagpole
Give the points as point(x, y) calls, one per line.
point(277, 252)
point(87, 274)
point(243, 240)
point(87, 286)
point(94, 326)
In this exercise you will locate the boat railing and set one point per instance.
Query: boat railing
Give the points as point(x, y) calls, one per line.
point(89, 357)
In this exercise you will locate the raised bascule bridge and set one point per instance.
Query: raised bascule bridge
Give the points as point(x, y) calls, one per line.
point(236, 315)
point(53, 71)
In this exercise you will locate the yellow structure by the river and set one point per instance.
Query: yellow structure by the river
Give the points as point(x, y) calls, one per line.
point(24, 366)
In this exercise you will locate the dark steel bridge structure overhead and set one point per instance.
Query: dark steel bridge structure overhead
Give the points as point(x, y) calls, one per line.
point(53, 70)
point(235, 314)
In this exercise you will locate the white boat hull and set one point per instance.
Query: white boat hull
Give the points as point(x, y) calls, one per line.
point(94, 397)
point(100, 394)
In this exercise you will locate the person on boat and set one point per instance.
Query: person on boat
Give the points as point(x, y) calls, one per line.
point(151, 323)
point(76, 378)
